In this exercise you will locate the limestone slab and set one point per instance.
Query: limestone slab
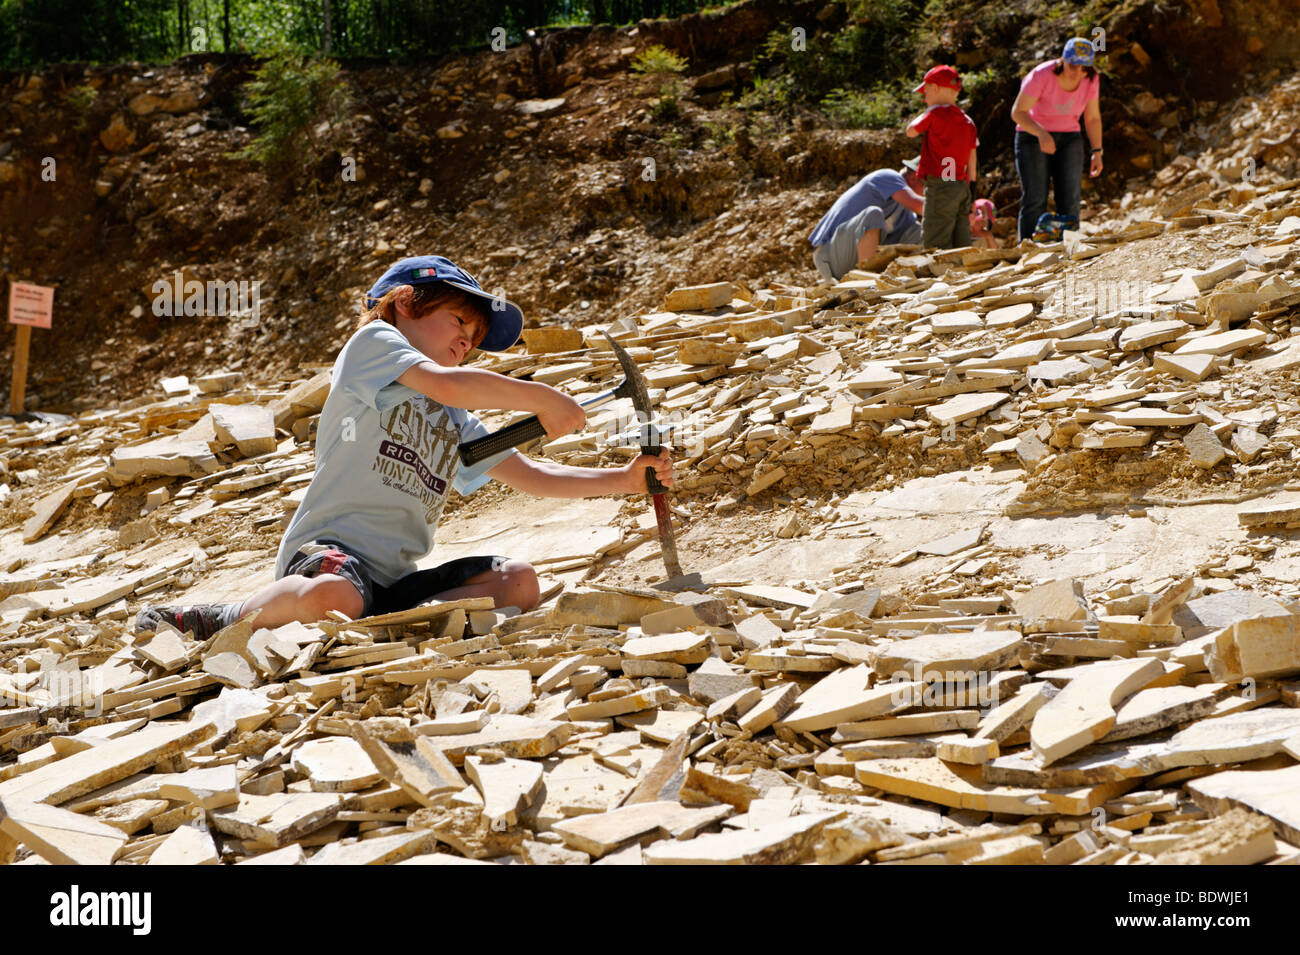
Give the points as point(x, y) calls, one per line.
point(603, 608)
point(1224, 343)
point(715, 679)
point(953, 543)
point(969, 752)
point(909, 724)
point(186, 845)
point(662, 726)
point(1157, 708)
point(1187, 367)
point(59, 836)
point(779, 843)
point(783, 598)
point(277, 819)
point(1234, 738)
point(1054, 600)
point(777, 701)
point(843, 697)
point(381, 850)
point(964, 407)
point(517, 736)
point(1084, 711)
point(47, 511)
point(685, 648)
point(250, 427)
point(1274, 793)
point(507, 786)
point(1237, 837)
point(948, 657)
point(600, 833)
point(1212, 612)
point(336, 764)
point(960, 787)
point(1257, 647)
point(514, 688)
point(91, 769)
point(418, 766)
point(1203, 446)
point(1147, 334)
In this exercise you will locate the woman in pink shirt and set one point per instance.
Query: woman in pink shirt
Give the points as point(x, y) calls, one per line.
point(1049, 144)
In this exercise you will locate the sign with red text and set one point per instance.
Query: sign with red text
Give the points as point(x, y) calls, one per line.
point(30, 305)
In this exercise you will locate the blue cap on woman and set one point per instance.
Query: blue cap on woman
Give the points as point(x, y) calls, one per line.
point(1078, 51)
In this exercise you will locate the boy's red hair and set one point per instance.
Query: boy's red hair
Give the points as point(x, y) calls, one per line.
point(425, 299)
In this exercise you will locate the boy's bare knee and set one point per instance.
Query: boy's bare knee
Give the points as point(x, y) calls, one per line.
point(331, 592)
point(521, 584)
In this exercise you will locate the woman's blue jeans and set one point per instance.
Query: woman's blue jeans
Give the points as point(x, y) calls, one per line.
point(1065, 169)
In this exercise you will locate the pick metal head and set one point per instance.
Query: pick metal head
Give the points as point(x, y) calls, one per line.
point(633, 385)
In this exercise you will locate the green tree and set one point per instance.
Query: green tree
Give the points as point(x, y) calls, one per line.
point(289, 98)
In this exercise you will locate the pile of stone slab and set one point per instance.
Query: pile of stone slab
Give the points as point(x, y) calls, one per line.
point(703, 719)
point(746, 724)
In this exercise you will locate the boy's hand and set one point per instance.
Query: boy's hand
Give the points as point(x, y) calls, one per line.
point(559, 414)
point(635, 472)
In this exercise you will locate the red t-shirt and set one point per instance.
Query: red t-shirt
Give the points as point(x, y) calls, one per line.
point(949, 134)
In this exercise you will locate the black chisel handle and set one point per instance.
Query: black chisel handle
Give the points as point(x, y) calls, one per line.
point(511, 436)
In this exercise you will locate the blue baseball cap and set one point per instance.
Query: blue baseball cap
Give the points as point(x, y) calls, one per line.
point(1078, 51)
point(505, 319)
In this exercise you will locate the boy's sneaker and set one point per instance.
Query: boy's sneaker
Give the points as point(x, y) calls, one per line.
point(203, 620)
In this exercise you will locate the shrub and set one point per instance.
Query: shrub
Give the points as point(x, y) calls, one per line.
point(667, 108)
point(657, 59)
point(876, 43)
point(856, 109)
point(719, 135)
point(81, 98)
point(289, 98)
point(974, 85)
point(769, 95)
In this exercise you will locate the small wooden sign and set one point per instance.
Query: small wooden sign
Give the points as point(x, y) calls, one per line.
point(31, 305)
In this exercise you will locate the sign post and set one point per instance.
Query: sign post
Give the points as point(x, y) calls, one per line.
point(30, 306)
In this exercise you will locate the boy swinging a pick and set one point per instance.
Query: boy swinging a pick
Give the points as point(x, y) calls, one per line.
point(386, 459)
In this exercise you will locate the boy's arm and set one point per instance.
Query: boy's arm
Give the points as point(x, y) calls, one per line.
point(917, 126)
point(549, 479)
point(477, 388)
point(970, 166)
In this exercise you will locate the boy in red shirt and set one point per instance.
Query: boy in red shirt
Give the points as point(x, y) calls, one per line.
point(947, 160)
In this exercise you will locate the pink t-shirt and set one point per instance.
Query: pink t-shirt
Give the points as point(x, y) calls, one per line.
point(1057, 110)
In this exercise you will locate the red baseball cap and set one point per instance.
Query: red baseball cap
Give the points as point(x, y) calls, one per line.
point(941, 76)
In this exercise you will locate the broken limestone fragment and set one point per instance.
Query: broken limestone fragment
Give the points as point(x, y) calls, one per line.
point(1085, 710)
point(1203, 447)
point(948, 657)
point(1257, 647)
point(1054, 600)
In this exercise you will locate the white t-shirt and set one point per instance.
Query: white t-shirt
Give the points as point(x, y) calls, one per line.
point(386, 456)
